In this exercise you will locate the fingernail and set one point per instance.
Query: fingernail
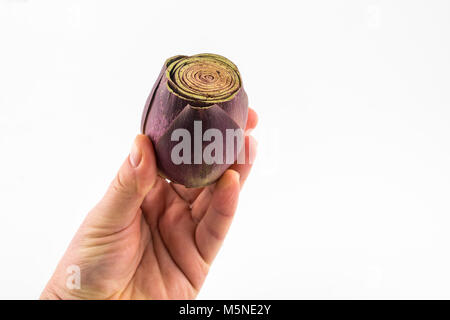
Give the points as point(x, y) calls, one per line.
point(230, 176)
point(237, 175)
point(135, 155)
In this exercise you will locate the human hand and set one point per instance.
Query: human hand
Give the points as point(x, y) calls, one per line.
point(150, 239)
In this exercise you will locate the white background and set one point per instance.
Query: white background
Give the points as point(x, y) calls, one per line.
point(350, 196)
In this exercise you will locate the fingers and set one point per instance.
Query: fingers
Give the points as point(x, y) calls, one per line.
point(200, 205)
point(252, 120)
point(135, 178)
point(251, 146)
point(212, 229)
point(158, 200)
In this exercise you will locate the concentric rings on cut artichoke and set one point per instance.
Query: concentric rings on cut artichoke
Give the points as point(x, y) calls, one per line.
point(203, 79)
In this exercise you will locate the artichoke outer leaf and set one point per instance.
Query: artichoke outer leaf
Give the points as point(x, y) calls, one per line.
point(191, 174)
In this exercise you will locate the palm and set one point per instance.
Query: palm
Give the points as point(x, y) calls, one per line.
point(171, 254)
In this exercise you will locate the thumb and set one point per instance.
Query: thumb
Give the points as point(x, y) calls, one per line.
point(123, 199)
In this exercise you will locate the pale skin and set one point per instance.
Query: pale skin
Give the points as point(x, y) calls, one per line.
point(150, 239)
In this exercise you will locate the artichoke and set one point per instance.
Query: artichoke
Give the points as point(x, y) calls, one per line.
point(195, 116)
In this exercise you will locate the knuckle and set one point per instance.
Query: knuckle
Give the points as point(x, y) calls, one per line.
point(121, 186)
point(214, 233)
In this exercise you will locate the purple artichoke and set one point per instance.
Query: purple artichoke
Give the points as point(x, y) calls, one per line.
point(195, 116)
